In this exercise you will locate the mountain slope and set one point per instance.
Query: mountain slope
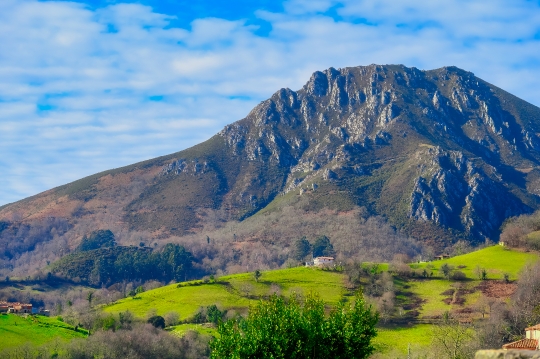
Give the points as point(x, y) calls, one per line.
point(441, 154)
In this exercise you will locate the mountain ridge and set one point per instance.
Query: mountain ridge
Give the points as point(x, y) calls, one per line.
point(441, 154)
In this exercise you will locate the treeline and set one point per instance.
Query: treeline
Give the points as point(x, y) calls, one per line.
point(98, 261)
point(522, 231)
point(17, 238)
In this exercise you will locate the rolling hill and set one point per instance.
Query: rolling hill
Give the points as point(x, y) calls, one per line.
point(423, 300)
point(17, 331)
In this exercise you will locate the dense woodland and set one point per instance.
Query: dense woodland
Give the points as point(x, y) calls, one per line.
point(220, 247)
point(99, 261)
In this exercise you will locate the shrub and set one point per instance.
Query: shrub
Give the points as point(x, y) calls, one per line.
point(279, 329)
point(157, 321)
point(458, 275)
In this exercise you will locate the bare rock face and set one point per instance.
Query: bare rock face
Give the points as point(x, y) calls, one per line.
point(452, 192)
point(464, 136)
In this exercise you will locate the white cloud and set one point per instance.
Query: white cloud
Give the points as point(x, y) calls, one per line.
point(76, 84)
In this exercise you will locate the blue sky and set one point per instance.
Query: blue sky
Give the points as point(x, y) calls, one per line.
point(91, 85)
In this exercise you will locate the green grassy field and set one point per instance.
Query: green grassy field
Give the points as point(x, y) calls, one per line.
point(234, 292)
point(400, 337)
point(496, 259)
point(238, 292)
point(182, 329)
point(16, 330)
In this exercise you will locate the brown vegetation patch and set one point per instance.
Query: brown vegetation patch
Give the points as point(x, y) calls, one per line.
point(466, 310)
point(493, 289)
point(458, 301)
point(448, 292)
point(447, 301)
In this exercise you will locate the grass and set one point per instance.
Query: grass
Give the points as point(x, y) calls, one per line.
point(400, 337)
point(16, 330)
point(496, 259)
point(182, 329)
point(234, 292)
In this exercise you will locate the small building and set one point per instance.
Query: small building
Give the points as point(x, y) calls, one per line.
point(4, 307)
point(442, 256)
point(323, 261)
point(15, 308)
point(531, 341)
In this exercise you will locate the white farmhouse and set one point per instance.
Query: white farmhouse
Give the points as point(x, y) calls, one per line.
point(323, 261)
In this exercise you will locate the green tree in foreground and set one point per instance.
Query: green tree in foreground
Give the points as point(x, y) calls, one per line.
point(293, 329)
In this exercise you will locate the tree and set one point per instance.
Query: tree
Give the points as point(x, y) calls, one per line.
point(446, 270)
point(452, 339)
point(477, 272)
point(89, 298)
point(257, 274)
point(213, 314)
point(323, 247)
point(97, 239)
point(484, 274)
point(293, 329)
point(302, 248)
point(157, 321)
point(172, 318)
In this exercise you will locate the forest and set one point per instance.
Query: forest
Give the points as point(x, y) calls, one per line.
point(98, 261)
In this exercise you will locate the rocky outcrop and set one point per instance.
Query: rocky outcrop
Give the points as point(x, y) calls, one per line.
point(453, 192)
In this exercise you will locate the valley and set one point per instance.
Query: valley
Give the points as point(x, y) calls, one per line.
point(419, 301)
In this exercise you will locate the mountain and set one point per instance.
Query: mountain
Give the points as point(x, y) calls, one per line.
point(440, 155)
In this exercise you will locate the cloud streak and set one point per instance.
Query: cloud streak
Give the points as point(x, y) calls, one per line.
point(85, 89)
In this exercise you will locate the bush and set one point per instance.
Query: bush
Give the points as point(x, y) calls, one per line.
point(157, 321)
point(172, 318)
point(458, 275)
point(279, 329)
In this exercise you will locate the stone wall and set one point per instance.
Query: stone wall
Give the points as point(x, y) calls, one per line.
point(508, 354)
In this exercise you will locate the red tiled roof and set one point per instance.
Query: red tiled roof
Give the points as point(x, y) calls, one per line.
point(530, 344)
point(534, 327)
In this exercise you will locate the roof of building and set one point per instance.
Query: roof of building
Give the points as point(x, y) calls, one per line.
point(530, 344)
point(16, 304)
point(331, 258)
point(534, 327)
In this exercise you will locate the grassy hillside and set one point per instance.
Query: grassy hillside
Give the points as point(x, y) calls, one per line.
point(234, 292)
point(16, 330)
point(429, 297)
point(436, 292)
point(496, 259)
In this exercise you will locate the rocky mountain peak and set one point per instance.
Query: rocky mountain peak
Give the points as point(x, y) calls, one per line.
point(342, 115)
point(441, 154)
